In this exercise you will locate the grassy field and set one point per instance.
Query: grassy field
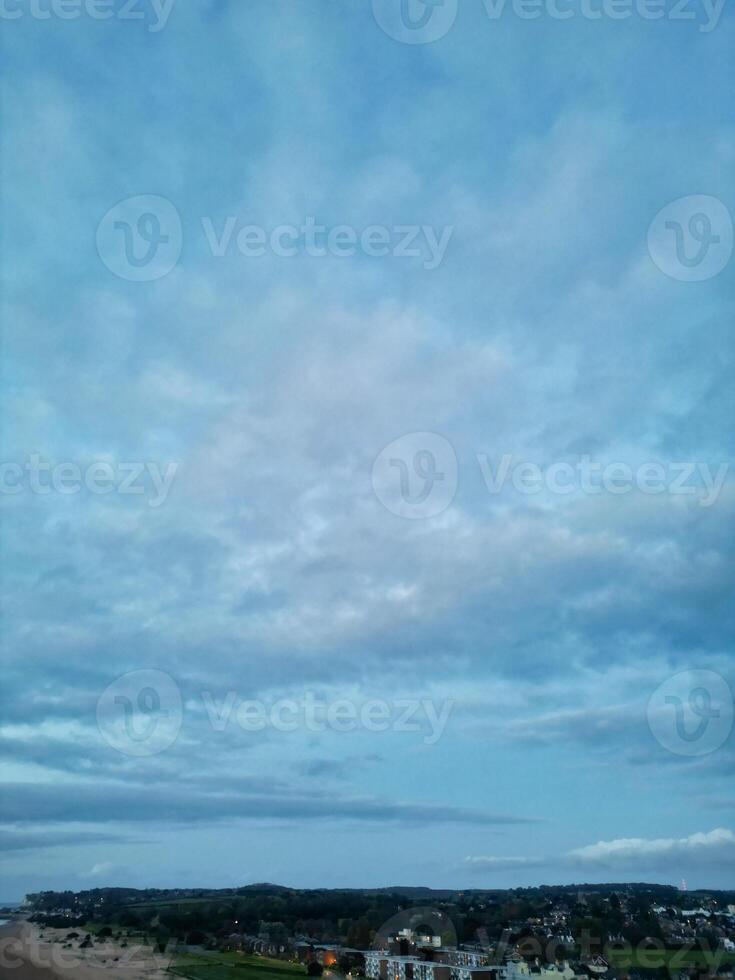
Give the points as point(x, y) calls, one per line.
point(672, 959)
point(233, 966)
point(156, 904)
point(126, 933)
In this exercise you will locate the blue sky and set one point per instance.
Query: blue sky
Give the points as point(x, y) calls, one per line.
point(279, 560)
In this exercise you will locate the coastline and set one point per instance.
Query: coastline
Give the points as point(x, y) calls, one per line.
point(28, 952)
point(15, 959)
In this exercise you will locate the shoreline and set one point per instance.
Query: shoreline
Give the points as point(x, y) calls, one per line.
point(14, 963)
point(31, 952)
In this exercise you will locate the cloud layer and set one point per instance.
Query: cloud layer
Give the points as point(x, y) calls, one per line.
point(273, 568)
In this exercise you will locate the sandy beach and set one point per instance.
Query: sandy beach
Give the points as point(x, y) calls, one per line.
point(28, 952)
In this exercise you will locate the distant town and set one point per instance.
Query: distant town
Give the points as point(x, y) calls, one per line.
point(580, 932)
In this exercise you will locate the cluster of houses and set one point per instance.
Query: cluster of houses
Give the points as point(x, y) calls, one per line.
point(410, 957)
point(304, 950)
point(406, 955)
point(242, 942)
point(683, 925)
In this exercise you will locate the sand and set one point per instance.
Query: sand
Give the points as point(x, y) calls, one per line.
point(28, 952)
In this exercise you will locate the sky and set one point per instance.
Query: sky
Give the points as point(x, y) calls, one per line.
point(366, 425)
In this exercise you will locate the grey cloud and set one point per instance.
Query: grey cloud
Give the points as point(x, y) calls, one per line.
point(335, 768)
point(716, 847)
point(713, 848)
point(11, 840)
point(28, 803)
point(272, 563)
point(483, 865)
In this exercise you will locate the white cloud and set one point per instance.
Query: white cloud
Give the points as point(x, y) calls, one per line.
point(638, 853)
point(99, 869)
point(481, 863)
point(717, 846)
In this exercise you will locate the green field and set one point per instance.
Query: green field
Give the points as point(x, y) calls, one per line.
point(233, 966)
point(173, 903)
point(673, 959)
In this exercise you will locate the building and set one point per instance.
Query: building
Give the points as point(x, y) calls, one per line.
point(327, 954)
point(442, 963)
point(381, 965)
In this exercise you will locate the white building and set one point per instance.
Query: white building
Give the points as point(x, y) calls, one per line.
point(457, 964)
